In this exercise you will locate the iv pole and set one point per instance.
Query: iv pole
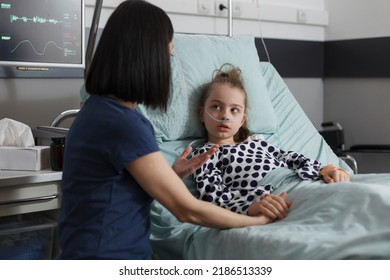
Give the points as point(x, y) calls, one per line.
point(230, 18)
point(92, 35)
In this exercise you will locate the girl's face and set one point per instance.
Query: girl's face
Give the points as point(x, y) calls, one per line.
point(223, 103)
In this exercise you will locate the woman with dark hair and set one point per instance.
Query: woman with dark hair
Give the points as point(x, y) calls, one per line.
point(113, 168)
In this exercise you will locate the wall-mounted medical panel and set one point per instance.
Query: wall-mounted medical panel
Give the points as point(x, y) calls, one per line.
point(365, 58)
point(246, 10)
point(293, 58)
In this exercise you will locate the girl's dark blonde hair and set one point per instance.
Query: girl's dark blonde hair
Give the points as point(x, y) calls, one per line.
point(231, 76)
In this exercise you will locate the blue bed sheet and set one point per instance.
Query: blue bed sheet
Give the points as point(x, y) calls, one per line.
point(337, 221)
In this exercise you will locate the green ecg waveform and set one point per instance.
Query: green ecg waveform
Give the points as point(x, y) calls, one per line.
point(14, 18)
point(37, 52)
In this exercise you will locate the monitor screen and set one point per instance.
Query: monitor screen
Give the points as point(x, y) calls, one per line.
point(42, 33)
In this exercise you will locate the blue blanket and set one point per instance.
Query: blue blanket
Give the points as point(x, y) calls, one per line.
point(326, 221)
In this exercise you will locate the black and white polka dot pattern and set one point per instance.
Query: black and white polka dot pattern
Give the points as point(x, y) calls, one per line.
point(231, 178)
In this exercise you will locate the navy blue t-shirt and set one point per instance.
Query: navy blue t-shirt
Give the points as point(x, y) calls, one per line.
point(104, 212)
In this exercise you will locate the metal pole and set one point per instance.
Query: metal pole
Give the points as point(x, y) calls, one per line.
point(92, 35)
point(230, 18)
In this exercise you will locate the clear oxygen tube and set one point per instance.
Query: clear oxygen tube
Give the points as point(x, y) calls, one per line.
point(218, 120)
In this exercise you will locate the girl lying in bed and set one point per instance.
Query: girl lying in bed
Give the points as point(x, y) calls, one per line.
point(231, 178)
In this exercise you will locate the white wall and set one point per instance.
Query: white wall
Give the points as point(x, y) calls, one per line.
point(38, 101)
point(350, 19)
point(279, 19)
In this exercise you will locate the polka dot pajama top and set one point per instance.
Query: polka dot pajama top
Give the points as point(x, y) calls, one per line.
point(231, 178)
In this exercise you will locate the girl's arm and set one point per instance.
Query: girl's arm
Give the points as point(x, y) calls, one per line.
point(159, 180)
point(312, 169)
point(305, 167)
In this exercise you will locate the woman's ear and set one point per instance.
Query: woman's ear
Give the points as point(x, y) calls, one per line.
point(201, 114)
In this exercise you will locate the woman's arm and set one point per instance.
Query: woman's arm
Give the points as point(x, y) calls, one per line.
point(159, 180)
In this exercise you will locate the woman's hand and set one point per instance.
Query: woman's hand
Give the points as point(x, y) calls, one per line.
point(334, 174)
point(185, 167)
point(272, 206)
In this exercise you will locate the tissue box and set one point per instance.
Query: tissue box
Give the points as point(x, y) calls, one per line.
point(19, 158)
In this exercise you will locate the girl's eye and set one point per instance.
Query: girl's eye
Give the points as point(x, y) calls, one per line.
point(215, 107)
point(235, 110)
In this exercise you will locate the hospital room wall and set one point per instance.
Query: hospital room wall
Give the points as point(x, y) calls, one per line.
point(359, 103)
point(360, 98)
point(307, 90)
point(37, 101)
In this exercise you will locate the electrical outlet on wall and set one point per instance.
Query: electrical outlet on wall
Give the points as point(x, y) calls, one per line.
point(221, 8)
point(205, 7)
point(237, 9)
point(301, 16)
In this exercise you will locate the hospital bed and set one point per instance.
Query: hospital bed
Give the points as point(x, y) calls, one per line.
point(346, 220)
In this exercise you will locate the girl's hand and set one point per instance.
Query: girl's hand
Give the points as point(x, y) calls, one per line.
point(334, 174)
point(185, 167)
point(272, 206)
